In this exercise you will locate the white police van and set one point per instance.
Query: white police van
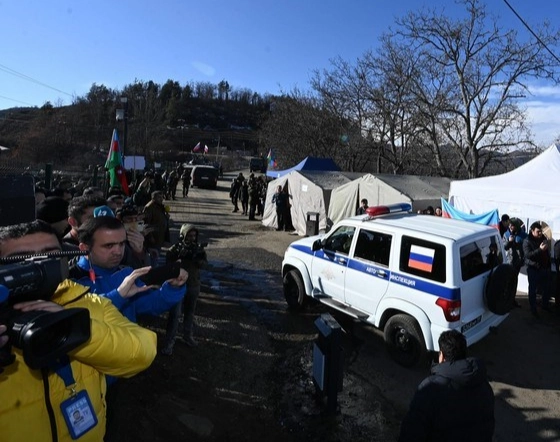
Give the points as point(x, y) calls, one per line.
point(412, 276)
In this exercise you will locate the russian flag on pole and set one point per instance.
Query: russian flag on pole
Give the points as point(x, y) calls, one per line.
point(205, 148)
point(197, 148)
point(421, 258)
point(114, 164)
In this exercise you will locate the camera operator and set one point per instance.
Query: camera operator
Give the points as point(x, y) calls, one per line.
point(193, 258)
point(37, 405)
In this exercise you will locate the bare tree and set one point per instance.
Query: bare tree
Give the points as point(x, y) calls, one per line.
point(298, 126)
point(344, 91)
point(470, 76)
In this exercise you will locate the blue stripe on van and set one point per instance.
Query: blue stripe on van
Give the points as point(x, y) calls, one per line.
point(431, 288)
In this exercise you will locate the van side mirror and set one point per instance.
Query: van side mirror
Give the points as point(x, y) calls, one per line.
point(317, 245)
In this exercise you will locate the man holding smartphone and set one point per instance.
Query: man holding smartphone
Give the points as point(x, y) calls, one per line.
point(104, 238)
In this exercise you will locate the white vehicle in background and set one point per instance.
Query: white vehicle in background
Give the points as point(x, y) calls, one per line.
point(412, 276)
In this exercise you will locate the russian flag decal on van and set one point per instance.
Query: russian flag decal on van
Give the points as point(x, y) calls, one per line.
point(421, 258)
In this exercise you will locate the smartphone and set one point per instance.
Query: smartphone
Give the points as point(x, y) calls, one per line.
point(158, 275)
point(136, 226)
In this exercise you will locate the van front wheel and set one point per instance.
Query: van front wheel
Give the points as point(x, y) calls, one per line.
point(294, 290)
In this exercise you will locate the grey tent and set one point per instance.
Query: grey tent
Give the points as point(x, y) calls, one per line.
point(380, 189)
point(310, 192)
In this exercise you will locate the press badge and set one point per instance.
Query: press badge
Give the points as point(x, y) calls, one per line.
point(78, 414)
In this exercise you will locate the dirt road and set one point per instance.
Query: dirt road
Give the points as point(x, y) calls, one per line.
point(250, 377)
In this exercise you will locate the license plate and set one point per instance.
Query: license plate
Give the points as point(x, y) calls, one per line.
point(471, 324)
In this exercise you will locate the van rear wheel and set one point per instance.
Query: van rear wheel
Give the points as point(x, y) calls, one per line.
point(404, 340)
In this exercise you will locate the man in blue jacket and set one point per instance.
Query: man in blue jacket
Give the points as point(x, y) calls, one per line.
point(104, 238)
point(455, 403)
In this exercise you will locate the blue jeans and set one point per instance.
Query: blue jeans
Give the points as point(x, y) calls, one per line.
point(187, 306)
point(538, 278)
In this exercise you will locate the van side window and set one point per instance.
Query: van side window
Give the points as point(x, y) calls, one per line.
point(479, 256)
point(373, 246)
point(423, 258)
point(340, 241)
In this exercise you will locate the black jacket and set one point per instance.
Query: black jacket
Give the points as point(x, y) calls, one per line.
point(534, 256)
point(455, 403)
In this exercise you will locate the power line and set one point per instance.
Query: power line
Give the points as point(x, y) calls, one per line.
point(17, 101)
point(531, 31)
point(31, 79)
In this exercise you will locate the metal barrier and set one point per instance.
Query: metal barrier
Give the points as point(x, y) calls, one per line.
point(328, 360)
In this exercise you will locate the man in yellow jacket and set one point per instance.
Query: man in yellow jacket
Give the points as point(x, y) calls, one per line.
point(37, 405)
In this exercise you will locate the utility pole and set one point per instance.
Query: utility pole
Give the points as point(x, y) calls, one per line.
point(122, 115)
point(182, 122)
point(124, 101)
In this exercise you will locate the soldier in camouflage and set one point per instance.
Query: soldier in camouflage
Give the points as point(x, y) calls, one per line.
point(193, 258)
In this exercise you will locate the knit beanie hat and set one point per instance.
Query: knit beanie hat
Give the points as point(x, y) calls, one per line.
point(52, 209)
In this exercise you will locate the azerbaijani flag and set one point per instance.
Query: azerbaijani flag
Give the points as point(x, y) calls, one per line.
point(114, 165)
point(197, 148)
point(421, 258)
point(271, 160)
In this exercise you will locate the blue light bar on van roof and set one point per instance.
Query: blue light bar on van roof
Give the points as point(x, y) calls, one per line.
point(390, 208)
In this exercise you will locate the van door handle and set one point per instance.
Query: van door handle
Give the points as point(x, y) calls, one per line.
point(382, 273)
point(341, 260)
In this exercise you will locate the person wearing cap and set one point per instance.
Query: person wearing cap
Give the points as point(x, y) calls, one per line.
point(193, 258)
point(54, 211)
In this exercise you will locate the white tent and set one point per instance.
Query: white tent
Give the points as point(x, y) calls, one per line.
point(382, 189)
point(530, 192)
point(310, 192)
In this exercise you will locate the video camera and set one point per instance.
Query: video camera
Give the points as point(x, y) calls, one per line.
point(191, 251)
point(42, 336)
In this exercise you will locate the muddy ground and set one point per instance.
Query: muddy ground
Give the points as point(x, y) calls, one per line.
point(250, 379)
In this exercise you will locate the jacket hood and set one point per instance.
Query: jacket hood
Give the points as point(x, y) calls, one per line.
point(468, 372)
point(186, 228)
